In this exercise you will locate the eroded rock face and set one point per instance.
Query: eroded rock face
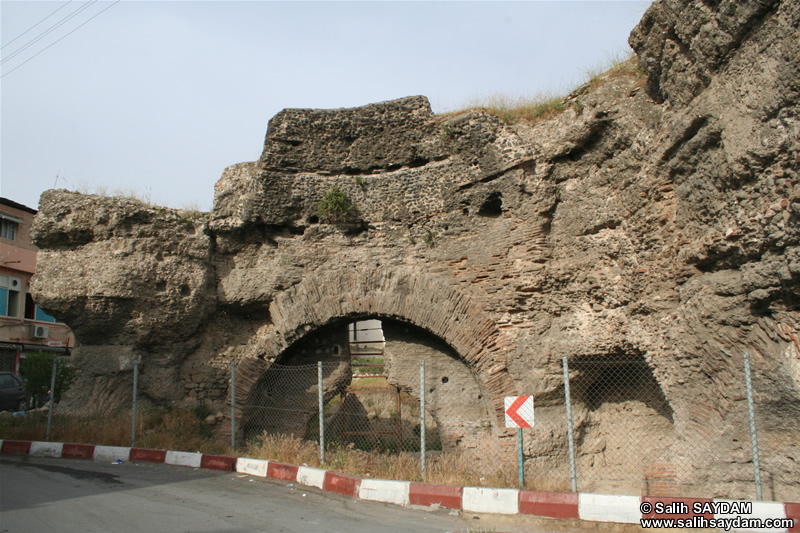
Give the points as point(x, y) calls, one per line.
point(658, 224)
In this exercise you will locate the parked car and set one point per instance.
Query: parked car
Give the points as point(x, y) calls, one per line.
point(13, 395)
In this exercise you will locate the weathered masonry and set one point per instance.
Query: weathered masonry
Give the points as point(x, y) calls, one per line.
point(654, 220)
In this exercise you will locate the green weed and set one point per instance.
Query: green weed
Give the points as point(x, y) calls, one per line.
point(334, 206)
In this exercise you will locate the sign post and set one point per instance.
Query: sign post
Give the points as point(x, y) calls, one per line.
point(519, 414)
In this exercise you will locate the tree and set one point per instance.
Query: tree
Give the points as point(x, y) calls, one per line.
point(37, 370)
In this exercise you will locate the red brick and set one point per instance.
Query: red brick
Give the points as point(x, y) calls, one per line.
point(219, 462)
point(427, 495)
point(144, 454)
point(78, 451)
point(282, 471)
point(341, 484)
point(551, 504)
point(16, 447)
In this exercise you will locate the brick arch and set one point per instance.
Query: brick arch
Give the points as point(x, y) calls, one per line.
point(423, 300)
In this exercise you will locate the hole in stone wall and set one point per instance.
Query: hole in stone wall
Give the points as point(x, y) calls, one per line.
point(185, 290)
point(418, 162)
point(493, 206)
point(617, 380)
point(445, 379)
point(289, 142)
point(628, 424)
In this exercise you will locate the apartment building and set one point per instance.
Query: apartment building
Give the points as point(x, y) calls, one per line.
point(24, 327)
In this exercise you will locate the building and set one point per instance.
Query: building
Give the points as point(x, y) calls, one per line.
point(24, 327)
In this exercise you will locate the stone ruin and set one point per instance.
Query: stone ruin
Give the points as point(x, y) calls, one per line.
point(653, 220)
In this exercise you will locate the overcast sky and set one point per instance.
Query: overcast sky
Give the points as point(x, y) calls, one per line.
point(159, 97)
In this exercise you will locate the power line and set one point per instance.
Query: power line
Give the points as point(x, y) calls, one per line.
point(47, 31)
point(29, 29)
point(59, 40)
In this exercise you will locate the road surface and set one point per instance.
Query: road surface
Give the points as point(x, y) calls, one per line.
point(68, 495)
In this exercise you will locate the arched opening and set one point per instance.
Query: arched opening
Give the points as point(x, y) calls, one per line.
point(371, 390)
point(624, 423)
point(285, 398)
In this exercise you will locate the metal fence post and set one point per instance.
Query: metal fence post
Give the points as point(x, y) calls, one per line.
point(422, 419)
point(570, 437)
point(52, 399)
point(233, 404)
point(753, 435)
point(133, 411)
point(321, 396)
point(520, 459)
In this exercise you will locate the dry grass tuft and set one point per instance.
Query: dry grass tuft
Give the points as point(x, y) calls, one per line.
point(511, 110)
point(284, 449)
point(447, 469)
point(185, 430)
point(157, 428)
point(619, 66)
point(344, 459)
point(543, 106)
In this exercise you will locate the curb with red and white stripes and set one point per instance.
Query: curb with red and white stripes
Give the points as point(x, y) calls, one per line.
point(571, 506)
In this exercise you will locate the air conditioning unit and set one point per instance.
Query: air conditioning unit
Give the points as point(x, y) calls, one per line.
point(40, 332)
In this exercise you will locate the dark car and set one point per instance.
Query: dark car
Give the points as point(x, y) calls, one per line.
point(12, 392)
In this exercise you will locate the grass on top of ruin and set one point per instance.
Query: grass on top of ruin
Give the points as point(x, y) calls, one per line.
point(542, 106)
point(513, 109)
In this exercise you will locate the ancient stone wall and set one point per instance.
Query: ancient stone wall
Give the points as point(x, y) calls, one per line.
point(656, 219)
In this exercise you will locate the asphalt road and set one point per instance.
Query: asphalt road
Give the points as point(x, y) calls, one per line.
point(58, 495)
point(45, 495)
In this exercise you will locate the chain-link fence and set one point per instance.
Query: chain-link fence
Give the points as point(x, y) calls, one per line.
point(721, 441)
point(57, 410)
point(610, 429)
point(369, 407)
point(613, 425)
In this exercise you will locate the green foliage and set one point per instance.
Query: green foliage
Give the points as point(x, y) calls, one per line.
point(37, 369)
point(360, 182)
point(411, 239)
point(334, 206)
point(429, 238)
point(365, 365)
point(447, 132)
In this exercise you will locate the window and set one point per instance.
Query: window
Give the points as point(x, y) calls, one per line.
point(10, 296)
point(8, 229)
point(7, 381)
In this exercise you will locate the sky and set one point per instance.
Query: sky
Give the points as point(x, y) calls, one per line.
point(156, 98)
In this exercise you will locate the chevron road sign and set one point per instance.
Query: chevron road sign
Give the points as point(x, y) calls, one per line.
point(519, 411)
